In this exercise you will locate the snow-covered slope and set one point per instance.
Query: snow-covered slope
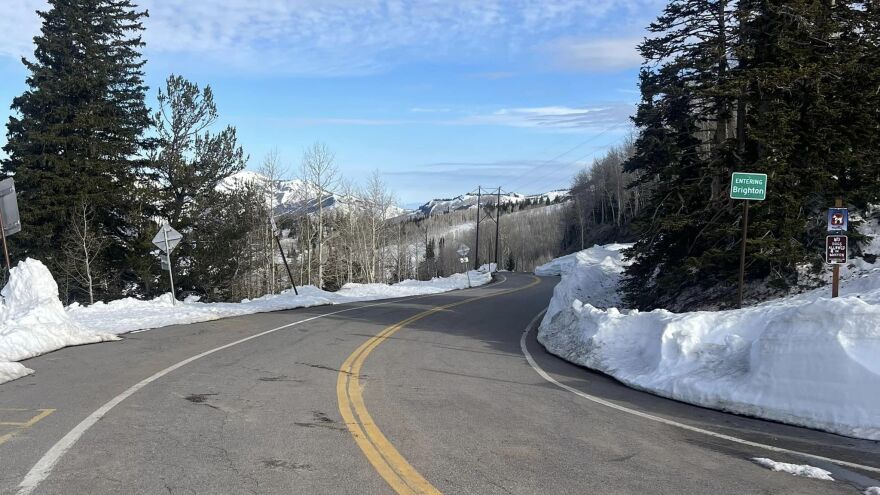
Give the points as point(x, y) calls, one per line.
point(33, 320)
point(806, 359)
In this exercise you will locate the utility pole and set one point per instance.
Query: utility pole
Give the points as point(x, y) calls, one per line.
point(497, 225)
point(477, 247)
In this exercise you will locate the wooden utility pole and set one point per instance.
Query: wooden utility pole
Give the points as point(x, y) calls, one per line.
point(497, 225)
point(477, 247)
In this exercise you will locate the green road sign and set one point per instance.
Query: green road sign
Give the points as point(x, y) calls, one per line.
point(744, 185)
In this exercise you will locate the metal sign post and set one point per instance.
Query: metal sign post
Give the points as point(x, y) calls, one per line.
point(9, 219)
point(5, 249)
point(167, 239)
point(748, 187)
point(170, 272)
point(836, 243)
point(463, 251)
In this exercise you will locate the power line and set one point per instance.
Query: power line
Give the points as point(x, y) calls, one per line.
point(516, 180)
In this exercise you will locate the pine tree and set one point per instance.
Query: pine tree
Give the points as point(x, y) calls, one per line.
point(187, 165)
point(79, 126)
point(684, 149)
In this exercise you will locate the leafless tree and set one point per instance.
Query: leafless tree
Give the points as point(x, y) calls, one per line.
point(273, 171)
point(82, 247)
point(319, 173)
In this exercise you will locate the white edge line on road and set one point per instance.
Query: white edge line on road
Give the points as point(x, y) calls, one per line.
point(651, 417)
point(44, 466)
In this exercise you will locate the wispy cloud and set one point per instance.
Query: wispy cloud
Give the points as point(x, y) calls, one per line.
point(343, 37)
point(492, 76)
point(593, 55)
point(554, 118)
point(429, 110)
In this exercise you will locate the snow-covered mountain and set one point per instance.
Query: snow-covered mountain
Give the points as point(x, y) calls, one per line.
point(465, 201)
point(293, 197)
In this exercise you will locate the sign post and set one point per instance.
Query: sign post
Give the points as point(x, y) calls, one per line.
point(748, 187)
point(9, 219)
point(836, 243)
point(167, 239)
point(463, 251)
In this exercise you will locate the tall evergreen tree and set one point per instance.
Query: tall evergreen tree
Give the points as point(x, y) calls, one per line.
point(684, 150)
point(78, 129)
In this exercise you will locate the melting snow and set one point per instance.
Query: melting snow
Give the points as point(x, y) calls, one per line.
point(795, 469)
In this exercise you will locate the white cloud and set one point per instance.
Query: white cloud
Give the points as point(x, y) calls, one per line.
point(593, 55)
point(557, 117)
point(554, 118)
point(336, 37)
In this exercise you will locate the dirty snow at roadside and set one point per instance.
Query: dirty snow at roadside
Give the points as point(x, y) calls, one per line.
point(33, 320)
point(807, 359)
point(804, 470)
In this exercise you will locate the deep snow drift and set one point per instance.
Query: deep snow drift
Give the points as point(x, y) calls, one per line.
point(33, 320)
point(807, 359)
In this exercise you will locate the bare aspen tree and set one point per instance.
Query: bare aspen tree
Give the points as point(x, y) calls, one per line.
point(319, 172)
point(273, 172)
point(82, 248)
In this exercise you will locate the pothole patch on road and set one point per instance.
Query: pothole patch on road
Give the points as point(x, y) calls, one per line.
point(279, 378)
point(201, 399)
point(285, 465)
point(321, 420)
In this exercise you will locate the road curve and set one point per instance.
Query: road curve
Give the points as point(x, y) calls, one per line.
point(444, 383)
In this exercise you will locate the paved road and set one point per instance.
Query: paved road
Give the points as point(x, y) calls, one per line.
point(445, 403)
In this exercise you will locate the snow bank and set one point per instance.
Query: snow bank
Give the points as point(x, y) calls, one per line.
point(128, 315)
point(807, 360)
point(804, 470)
point(33, 320)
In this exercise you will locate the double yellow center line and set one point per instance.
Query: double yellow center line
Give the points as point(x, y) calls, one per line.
point(392, 466)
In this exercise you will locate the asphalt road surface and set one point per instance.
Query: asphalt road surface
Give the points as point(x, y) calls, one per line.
point(431, 394)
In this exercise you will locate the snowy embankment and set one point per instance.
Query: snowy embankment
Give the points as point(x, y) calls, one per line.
point(807, 359)
point(33, 321)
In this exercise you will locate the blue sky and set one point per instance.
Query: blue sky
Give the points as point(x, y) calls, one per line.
point(439, 96)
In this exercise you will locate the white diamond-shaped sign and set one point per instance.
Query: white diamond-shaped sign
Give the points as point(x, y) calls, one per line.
point(167, 232)
point(463, 250)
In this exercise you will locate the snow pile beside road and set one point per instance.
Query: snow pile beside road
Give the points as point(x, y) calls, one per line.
point(128, 315)
point(804, 470)
point(33, 321)
point(807, 359)
point(588, 275)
